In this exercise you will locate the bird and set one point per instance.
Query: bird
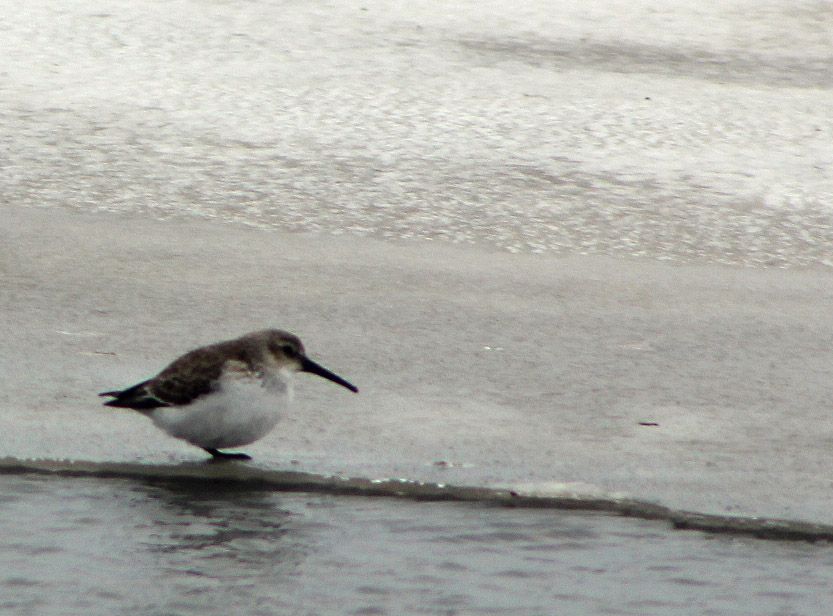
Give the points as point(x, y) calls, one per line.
point(226, 394)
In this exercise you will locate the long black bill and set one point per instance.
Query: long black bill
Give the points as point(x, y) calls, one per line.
point(307, 365)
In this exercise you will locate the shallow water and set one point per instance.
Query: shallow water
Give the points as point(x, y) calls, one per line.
point(71, 546)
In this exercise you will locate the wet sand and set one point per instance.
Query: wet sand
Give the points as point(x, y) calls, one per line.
point(577, 253)
point(696, 133)
point(476, 367)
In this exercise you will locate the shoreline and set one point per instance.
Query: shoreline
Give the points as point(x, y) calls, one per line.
point(253, 478)
point(475, 368)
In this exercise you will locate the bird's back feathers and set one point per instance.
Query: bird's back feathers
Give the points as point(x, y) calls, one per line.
point(187, 378)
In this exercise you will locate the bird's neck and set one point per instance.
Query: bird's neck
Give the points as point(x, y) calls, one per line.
point(279, 381)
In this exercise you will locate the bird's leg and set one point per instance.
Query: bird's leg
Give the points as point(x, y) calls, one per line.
point(222, 455)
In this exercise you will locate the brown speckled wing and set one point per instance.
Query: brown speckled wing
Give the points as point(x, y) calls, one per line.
point(194, 374)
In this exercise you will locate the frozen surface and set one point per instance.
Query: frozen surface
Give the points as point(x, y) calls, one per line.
point(675, 130)
point(474, 367)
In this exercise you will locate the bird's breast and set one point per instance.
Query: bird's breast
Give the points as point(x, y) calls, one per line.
point(239, 411)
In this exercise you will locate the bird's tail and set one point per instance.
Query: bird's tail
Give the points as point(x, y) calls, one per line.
point(138, 398)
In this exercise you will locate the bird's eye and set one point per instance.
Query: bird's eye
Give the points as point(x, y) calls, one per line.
point(289, 351)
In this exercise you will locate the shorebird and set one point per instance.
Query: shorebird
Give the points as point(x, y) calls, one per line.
point(226, 394)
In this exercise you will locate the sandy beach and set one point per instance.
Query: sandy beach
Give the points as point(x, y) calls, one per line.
point(475, 367)
point(561, 249)
point(465, 212)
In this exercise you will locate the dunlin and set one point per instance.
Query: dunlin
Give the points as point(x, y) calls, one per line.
point(226, 394)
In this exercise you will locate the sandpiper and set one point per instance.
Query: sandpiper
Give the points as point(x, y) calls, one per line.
point(226, 394)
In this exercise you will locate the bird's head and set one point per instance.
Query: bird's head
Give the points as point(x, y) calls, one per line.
point(288, 353)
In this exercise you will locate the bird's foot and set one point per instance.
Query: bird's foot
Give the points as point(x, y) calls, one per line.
point(222, 455)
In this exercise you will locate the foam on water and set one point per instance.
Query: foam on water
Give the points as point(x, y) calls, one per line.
point(691, 133)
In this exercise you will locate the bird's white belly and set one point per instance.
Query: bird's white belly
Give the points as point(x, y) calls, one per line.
point(238, 413)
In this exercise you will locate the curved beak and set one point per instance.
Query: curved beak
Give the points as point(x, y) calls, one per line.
point(307, 365)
